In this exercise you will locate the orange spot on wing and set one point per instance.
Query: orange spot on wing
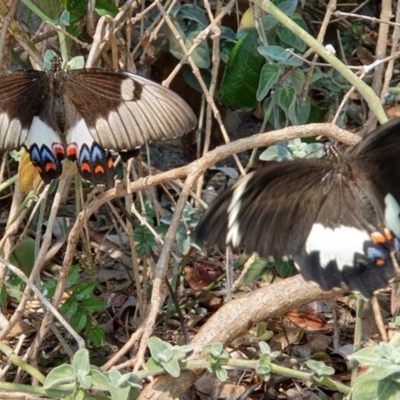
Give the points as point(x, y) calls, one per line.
point(110, 163)
point(388, 234)
point(85, 167)
point(72, 151)
point(38, 169)
point(99, 170)
point(379, 262)
point(378, 237)
point(50, 166)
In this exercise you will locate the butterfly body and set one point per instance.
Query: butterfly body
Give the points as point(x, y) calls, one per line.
point(82, 114)
point(330, 215)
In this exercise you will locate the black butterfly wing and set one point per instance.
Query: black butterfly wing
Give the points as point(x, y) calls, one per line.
point(313, 210)
point(270, 211)
point(21, 97)
point(378, 154)
point(123, 111)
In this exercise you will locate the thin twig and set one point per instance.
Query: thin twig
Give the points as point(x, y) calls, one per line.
point(44, 301)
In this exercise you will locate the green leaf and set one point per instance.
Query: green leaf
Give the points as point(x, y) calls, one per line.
point(172, 367)
point(221, 374)
point(274, 53)
point(153, 366)
point(95, 335)
point(264, 366)
point(297, 79)
point(291, 39)
point(369, 357)
point(49, 288)
point(106, 7)
point(319, 368)
point(278, 118)
point(59, 375)
point(79, 320)
point(65, 18)
point(51, 8)
point(77, 62)
point(288, 7)
point(292, 61)
point(83, 290)
point(242, 74)
point(382, 371)
point(3, 296)
point(69, 308)
point(228, 34)
point(99, 380)
point(192, 81)
point(268, 79)
point(301, 112)
point(216, 349)
point(366, 387)
point(257, 269)
point(114, 376)
point(201, 56)
point(302, 149)
point(92, 305)
point(119, 393)
point(145, 240)
point(81, 362)
point(24, 255)
point(73, 275)
point(285, 268)
point(269, 22)
point(159, 350)
point(183, 240)
point(286, 99)
point(277, 152)
point(193, 13)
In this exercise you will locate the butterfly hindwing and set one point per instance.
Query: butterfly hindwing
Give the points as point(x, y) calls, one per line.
point(270, 211)
point(347, 242)
point(95, 164)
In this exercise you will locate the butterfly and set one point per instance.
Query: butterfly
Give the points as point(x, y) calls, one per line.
point(83, 114)
point(337, 217)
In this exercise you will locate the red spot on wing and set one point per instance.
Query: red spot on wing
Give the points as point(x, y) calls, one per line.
point(72, 151)
point(58, 150)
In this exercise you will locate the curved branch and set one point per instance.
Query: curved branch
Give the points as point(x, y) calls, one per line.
point(234, 319)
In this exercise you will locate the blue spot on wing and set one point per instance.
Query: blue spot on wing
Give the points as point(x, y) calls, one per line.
point(46, 162)
point(95, 164)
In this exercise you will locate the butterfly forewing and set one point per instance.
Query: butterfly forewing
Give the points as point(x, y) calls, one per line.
point(21, 98)
point(378, 156)
point(272, 211)
point(125, 110)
